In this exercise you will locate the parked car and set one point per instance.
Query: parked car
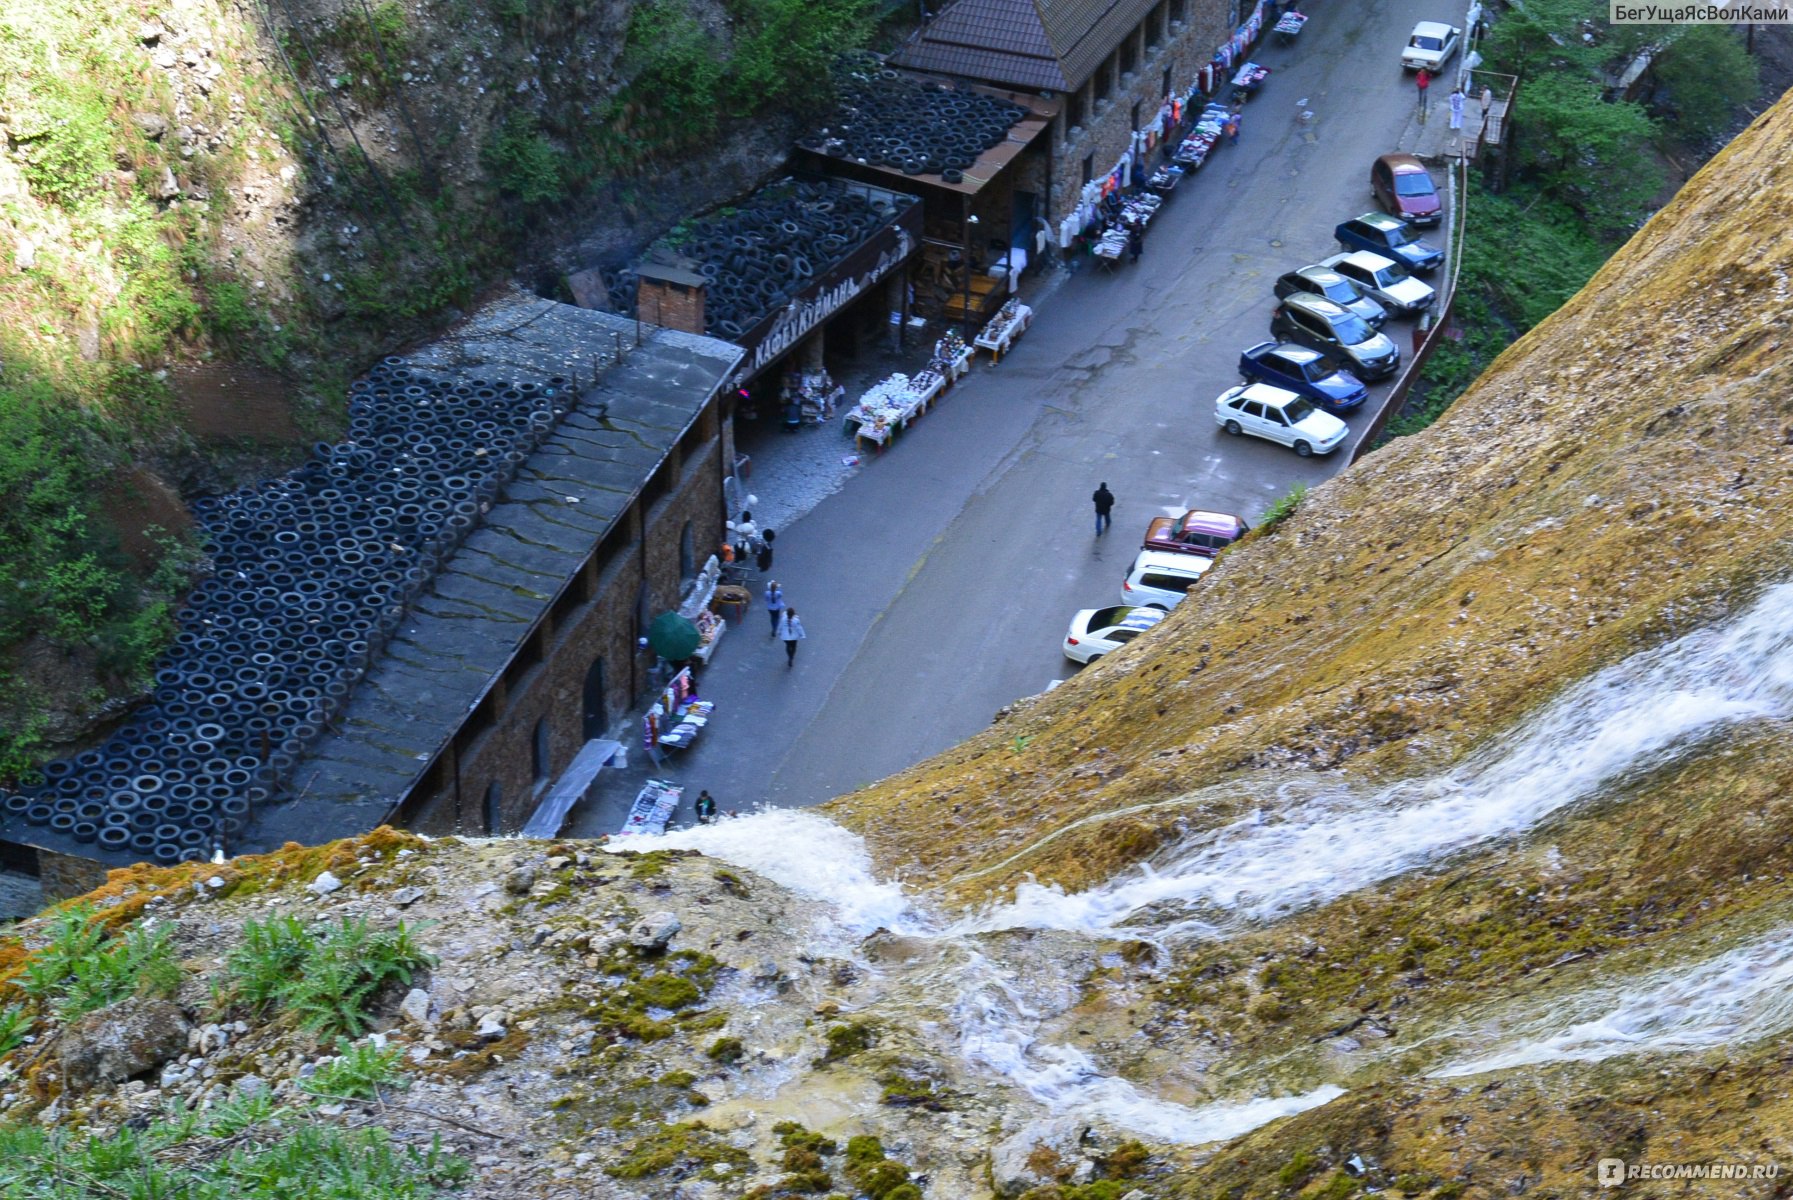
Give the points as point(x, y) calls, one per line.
point(1304, 371)
point(1280, 416)
point(1385, 279)
point(1324, 326)
point(1097, 631)
point(1195, 532)
point(1161, 578)
point(1330, 285)
point(1390, 237)
point(1430, 45)
point(1404, 188)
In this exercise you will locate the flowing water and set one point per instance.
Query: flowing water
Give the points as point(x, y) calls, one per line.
point(1624, 720)
point(1736, 998)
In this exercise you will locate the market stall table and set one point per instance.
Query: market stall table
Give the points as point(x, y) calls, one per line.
point(888, 406)
point(1289, 26)
point(1009, 323)
point(676, 718)
point(654, 806)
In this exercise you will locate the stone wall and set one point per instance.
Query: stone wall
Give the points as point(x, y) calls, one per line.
point(601, 617)
point(65, 876)
point(1092, 134)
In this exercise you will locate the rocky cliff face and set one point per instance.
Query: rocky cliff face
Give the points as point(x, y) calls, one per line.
point(1464, 793)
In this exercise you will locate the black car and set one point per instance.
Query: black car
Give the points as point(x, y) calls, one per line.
point(1324, 326)
point(1330, 285)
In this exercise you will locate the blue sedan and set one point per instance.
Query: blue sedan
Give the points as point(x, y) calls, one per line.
point(1390, 237)
point(1305, 372)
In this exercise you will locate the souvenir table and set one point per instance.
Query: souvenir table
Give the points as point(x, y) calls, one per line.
point(1010, 321)
point(1164, 180)
point(710, 627)
point(653, 807)
point(816, 394)
point(890, 404)
point(952, 357)
point(676, 718)
point(1250, 77)
point(1289, 26)
point(1110, 247)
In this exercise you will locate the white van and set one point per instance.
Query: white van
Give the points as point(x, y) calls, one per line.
point(1160, 578)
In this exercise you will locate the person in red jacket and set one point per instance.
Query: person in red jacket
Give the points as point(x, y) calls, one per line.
point(1422, 81)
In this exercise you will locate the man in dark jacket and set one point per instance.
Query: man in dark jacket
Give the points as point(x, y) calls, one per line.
point(1104, 501)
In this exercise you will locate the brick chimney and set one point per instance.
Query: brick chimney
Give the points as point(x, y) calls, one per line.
point(670, 294)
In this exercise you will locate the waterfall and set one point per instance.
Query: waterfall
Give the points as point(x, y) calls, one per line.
point(1735, 998)
point(1623, 720)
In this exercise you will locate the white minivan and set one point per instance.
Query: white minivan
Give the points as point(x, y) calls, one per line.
point(1160, 578)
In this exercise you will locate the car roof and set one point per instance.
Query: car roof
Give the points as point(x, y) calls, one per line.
point(1318, 272)
point(1403, 164)
point(1269, 393)
point(1143, 617)
point(1369, 260)
point(1216, 522)
point(1432, 28)
point(1319, 304)
point(1170, 560)
point(1380, 220)
point(1295, 352)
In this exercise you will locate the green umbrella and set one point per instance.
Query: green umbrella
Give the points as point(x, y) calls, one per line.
point(673, 637)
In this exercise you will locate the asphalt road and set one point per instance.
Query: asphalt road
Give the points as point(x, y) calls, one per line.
point(936, 587)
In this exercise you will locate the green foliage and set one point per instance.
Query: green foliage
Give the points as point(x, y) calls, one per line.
point(238, 1150)
point(360, 1070)
point(727, 1050)
point(328, 979)
point(1591, 152)
point(1283, 507)
point(83, 967)
point(875, 1176)
point(15, 1027)
point(784, 49)
point(1709, 77)
point(63, 144)
point(676, 62)
point(523, 162)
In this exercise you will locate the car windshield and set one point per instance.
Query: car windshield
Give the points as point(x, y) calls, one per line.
point(1422, 42)
point(1398, 235)
point(1392, 273)
point(1351, 329)
point(1416, 183)
point(1298, 410)
point(1339, 291)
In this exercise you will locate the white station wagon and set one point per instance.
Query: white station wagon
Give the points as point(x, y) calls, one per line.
point(1279, 416)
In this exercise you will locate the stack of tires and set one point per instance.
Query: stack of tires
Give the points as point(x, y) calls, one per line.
point(312, 572)
point(760, 253)
point(889, 120)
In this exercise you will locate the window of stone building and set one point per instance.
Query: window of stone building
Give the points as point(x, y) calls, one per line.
point(538, 746)
point(1177, 9)
point(1164, 88)
point(1073, 110)
point(1104, 81)
point(1129, 53)
point(1089, 167)
point(494, 808)
point(1135, 114)
point(1155, 34)
point(597, 709)
point(687, 554)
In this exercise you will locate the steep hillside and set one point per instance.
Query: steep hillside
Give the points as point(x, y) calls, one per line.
point(1438, 847)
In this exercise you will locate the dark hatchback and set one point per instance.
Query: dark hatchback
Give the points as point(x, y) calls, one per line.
point(1304, 371)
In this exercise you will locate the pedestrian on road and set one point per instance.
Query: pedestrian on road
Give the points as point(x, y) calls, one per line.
point(1136, 241)
point(764, 560)
point(706, 808)
point(1232, 126)
point(1104, 501)
point(1457, 109)
point(774, 605)
point(1487, 103)
point(1422, 81)
point(791, 630)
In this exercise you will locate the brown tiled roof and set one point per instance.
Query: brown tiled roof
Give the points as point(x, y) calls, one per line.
point(1045, 44)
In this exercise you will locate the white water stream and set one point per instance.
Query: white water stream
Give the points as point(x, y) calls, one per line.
point(1736, 998)
point(1623, 720)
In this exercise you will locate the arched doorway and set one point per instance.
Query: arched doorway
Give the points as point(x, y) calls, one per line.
point(597, 716)
point(494, 808)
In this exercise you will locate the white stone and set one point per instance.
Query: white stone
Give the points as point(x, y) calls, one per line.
point(415, 1007)
point(324, 884)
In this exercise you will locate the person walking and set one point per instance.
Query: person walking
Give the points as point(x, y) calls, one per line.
point(1487, 103)
point(774, 605)
point(1231, 128)
point(1457, 109)
point(791, 630)
point(1104, 501)
point(764, 559)
point(1422, 81)
point(1136, 241)
point(706, 808)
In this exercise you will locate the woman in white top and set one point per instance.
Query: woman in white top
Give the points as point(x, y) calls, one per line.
point(790, 629)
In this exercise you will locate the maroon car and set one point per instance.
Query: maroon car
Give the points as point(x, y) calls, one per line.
point(1195, 532)
point(1404, 189)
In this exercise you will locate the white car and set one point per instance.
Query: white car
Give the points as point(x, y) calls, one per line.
point(1161, 578)
point(1279, 416)
point(1096, 631)
point(1384, 280)
point(1430, 46)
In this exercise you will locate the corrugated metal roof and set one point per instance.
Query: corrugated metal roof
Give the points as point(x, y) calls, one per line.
point(1050, 44)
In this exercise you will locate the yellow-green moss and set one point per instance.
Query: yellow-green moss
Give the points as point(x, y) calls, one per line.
point(690, 1147)
point(848, 1039)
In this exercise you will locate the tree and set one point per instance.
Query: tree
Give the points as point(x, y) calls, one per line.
point(1592, 153)
point(1707, 76)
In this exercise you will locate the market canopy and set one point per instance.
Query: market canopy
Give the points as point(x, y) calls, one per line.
point(673, 637)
